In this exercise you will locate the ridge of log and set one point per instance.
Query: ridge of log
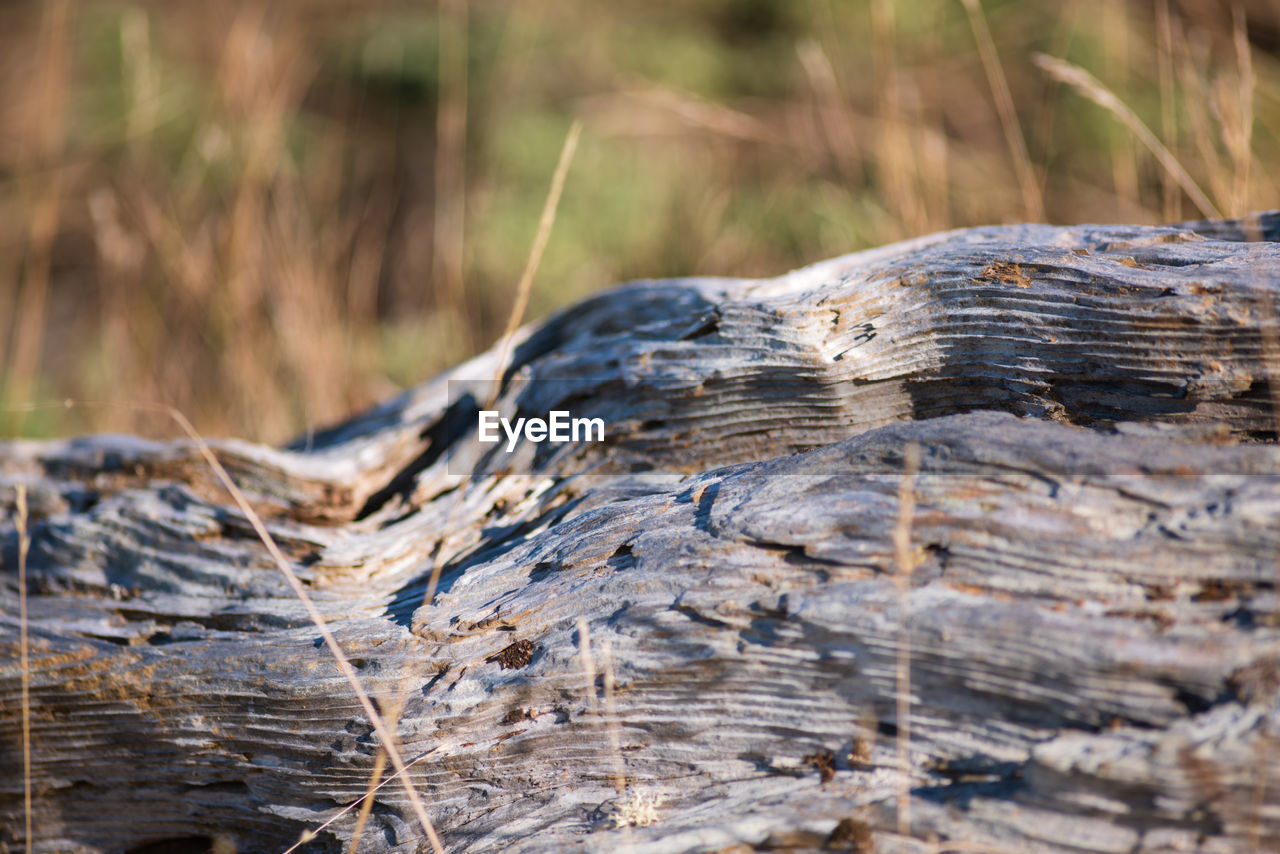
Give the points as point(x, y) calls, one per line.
point(1091, 605)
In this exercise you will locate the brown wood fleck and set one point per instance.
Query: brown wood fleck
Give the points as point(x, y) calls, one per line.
point(1008, 273)
point(824, 761)
point(515, 655)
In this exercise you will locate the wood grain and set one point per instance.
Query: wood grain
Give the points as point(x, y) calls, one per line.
point(1095, 545)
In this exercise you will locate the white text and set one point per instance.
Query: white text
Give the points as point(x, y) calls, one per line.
point(559, 428)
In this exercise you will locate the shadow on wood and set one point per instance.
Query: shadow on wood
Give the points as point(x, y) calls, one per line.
point(1094, 547)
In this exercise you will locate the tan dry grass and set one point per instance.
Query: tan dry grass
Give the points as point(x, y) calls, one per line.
point(385, 735)
point(451, 154)
point(520, 304)
point(41, 193)
point(1237, 132)
point(273, 246)
point(1086, 84)
point(1032, 198)
point(247, 237)
point(1171, 195)
point(387, 738)
point(24, 543)
point(611, 718)
point(524, 288)
point(609, 723)
point(393, 708)
point(905, 562)
point(359, 802)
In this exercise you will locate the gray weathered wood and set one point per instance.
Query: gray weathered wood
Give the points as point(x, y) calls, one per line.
point(1094, 639)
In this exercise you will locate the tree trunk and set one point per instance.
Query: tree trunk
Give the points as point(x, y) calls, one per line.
point(1028, 472)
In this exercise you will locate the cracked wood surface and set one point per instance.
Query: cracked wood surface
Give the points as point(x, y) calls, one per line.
point(1092, 607)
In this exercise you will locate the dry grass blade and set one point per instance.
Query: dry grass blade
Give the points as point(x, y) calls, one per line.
point(311, 834)
point(588, 665)
point(1168, 120)
point(394, 709)
point(833, 109)
point(709, 116)
point(1239, 134)
point(1089, 86)
point(896, 158)
point(44, 141)
point(451, 151)
point(1032, 199)
point(611, 712)
point(589, 678)
point(525, 287)
point(24, 542)
point(523, 290)
point(313, 613)
point(344, 665)
point(905, 563)
point(366, 803)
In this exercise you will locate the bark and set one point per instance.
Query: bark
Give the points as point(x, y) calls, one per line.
point(1082, 599)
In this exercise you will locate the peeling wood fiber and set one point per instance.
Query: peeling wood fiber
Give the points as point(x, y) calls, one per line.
point(1090, 610)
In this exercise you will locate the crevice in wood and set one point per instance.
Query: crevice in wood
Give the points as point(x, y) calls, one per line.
point(1095, 645)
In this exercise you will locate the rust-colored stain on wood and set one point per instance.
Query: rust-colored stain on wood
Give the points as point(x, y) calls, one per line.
point(1006, 272)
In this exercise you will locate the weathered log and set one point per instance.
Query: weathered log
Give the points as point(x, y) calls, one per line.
point(1086, 605)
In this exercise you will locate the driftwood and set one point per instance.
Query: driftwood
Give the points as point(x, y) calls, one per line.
point(1083, 601)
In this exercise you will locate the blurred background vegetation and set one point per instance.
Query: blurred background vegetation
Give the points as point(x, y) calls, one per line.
point(272, 214)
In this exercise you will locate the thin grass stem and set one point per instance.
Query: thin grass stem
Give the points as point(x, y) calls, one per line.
point(295, 584)
point(905, 564)
point(1032, 198)
point(525, 286)
point(24, 543)
point(1086, 84)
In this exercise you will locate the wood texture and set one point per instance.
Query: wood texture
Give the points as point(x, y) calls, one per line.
point(1088, 599)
